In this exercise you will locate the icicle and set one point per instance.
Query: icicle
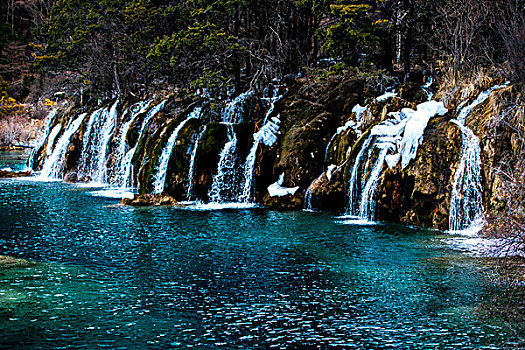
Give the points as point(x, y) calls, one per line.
point(160, 176)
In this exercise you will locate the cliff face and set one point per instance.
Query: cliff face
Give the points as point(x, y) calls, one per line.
point(312, 135)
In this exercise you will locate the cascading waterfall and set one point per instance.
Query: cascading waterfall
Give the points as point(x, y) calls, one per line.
point(54, 164)
point(160, 175)
point(126, 167)
point(191, 171)
point(98, 133)
point(225, 187)
point(392, 140)
point(224, 182)
point(355, 125)
point(466, 203)
point(120, 152)
point(51, 138)
point(42, 141)
point(267, 135)
point(107, 130)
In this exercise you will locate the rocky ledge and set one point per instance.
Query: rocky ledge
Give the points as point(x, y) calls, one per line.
point(13, 174)
point(148, 199)
point(7, 262)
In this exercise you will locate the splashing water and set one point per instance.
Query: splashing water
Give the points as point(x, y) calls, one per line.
point(466, 203)
point(160, 176)
point(126, 164)
point(120, 155)
point(397, 138)
point(53, 166)
point(191, 171)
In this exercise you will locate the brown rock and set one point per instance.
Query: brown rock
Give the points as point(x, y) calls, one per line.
point(7, 262)
point(13, 174)
point(149, 199)
point(288, 202)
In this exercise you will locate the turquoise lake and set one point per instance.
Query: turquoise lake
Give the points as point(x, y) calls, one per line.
point(107, 276)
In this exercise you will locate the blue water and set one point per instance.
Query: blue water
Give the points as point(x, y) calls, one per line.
point(14, 160)
point(166, 278)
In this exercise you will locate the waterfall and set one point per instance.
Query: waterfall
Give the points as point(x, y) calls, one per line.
point(267, 135)
point(107, 131)
point(359, 111)
point(42, 141)
point(191, 171)
point(126, 166)
point(98, 133)
point(225, 186)
point(224, 182)
point(51, 139)
point(53, 165)
point(119, 168)
point(396, 138)
point(160, 176)
point(466, 203)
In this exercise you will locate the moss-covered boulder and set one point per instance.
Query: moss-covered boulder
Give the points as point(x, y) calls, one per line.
point(288, 202)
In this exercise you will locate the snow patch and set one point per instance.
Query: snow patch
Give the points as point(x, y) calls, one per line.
point(277, 190)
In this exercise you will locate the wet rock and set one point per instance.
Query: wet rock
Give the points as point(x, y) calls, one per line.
point(288, 202)
point(148, 199)
point(76, 177)
point(13, 174)
point(328, 193)
point(8, 262)
point(412, 92)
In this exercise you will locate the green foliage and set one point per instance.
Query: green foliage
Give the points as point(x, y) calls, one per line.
point(358, 33)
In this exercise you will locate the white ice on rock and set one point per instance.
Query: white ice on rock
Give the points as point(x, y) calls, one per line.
point(397, 139)
point(277, 190)
point(415, 126)
point(385, 96)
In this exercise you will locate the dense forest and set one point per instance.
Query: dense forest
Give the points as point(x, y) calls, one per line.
point(103, 48)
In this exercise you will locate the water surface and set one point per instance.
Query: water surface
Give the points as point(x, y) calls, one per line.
point(165, 278)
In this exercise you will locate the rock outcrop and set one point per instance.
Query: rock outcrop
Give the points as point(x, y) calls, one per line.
point(148, 199)
point(319, 128)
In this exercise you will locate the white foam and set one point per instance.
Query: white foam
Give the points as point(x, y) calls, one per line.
point(219, 206)
point(354, 220)
point(117, 193)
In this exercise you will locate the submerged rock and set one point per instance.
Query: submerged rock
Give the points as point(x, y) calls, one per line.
point(8, 262)
point(148, 199)
point(13, 174)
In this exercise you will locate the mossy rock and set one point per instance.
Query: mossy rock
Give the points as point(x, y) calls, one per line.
point(284, 203)
point(412, 92)
point(178, 166)
point(8, 262)
point(208, 154)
